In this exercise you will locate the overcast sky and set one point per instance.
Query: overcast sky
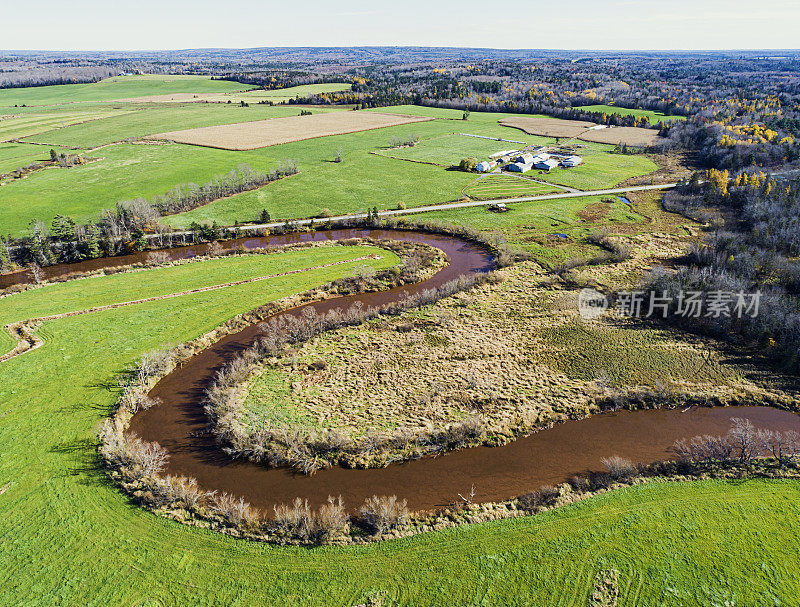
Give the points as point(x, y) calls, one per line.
point(562, 24)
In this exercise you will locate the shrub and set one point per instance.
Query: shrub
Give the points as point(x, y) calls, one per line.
point(181, 489)
point(332, 519)
point(618, 467)
point(296, 520)
point(236, 511)
point(545, 496)
point(384, 513)
point(130, 453)
point(579, 483)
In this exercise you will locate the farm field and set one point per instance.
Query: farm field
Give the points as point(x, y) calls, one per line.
point(118, 87)
point(585, 131)
point(252, 135)
point(653, 116)
point(554, 231)
point(505, 185)
point(363, 180)
point(52, 483)
point(448, 150)
point(510, 353)
point(255, 95)
point(148, 119)
point(28, 124)
point(599, 170)
point(16, 155)
point(126, 171)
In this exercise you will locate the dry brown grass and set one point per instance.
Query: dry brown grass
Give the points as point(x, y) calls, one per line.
point(513, 353)
point(555, 127)
point(263, 133)
point(548, 127)
point(629, 135)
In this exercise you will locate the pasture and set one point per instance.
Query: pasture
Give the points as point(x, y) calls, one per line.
point(448, 150)
point(255, 95)
point(506, 185)
point(652, 116)
point(126, 171)
point(116, 88)
point(28, 124)
point(16, 155)
point(554, 231)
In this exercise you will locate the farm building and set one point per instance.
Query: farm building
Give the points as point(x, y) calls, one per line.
point(546, 165)
point(485, 166)
point(519, 167)
point(540, 157)
point(571, 161)
point(524, 159)
point(503, 154)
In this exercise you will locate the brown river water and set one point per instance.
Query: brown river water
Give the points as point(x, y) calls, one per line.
point(497, 473)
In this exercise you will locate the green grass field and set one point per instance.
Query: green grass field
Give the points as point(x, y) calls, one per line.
point(600, 169)
point(506, 185)
point(31, 123)
point(288, 94)
point(16, 155)
point(126, 171)
point(534, 225)
point(149, 119)
point(448, 150)
point(118, 87)
point(653, 117)
point(70, 538)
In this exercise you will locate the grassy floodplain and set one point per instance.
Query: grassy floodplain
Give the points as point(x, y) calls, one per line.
point(70, 538)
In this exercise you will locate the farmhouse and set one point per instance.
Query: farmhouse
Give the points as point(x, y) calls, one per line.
point(485, 166)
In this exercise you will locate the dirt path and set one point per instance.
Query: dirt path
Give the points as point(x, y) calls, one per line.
point(23, 331)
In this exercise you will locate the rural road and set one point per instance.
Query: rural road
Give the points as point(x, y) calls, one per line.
point(458, 205)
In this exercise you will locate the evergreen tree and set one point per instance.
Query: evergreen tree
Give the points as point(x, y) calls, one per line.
point(39, 247)
point(63, 229)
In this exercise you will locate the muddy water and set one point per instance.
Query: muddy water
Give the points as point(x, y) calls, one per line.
point(548, 457)
point(185, 252)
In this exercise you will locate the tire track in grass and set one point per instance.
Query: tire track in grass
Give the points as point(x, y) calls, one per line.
point(23, 331)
